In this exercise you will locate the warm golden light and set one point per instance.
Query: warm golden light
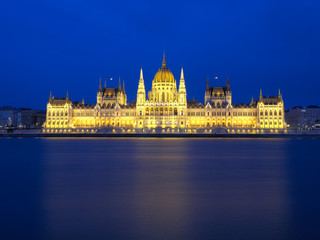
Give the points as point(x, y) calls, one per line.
point(165, 109)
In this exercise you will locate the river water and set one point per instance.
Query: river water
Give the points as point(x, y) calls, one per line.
point(159, 188)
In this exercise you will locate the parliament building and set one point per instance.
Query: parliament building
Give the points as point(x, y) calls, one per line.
point(165, 109)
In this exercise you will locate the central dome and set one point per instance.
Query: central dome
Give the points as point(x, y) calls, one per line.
point(164, 74)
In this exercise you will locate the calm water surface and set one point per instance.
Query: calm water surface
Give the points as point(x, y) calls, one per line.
point(159, 189)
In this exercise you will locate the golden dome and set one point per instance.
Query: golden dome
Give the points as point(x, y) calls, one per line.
point(164, 74)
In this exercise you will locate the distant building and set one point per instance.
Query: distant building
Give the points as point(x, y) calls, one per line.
point(8, 116)
point(21, 118)
point(165, 108)
point(303, 118)
point(29, 118)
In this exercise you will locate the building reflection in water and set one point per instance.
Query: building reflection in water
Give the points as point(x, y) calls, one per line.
point(160, 188)
point(166, 188)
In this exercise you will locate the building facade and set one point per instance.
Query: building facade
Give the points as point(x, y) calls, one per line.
point(21, 117)
point(165, 109)
point(303, 118)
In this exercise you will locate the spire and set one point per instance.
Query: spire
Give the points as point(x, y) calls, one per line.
point(208, 88)
point(123, 88)
point(261, 94)
point(67, 98)
point(141, 87)
point(83, 101)
point(50, 98)
point(182, 75)
point(252, 100)
point(182, 86)
point(141, 74)
point(105, 83)
point(100, 89)
point(279, 95)
point(228, 84)
point(119, 87)
point(164, 64)
point(141, 94)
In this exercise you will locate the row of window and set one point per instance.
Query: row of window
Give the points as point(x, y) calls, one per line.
point(270, 122)
point(223, 114)
point(58, 113)
point(162, 111)
point(57, 123)
point(270, 113)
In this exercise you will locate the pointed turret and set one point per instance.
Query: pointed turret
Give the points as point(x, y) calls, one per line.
point(164, 64)
point(105, 84)
point(119, 86)
point(182, 85)
point(100, 89)
point(279, 95)
point(50, 98)
point(182, 75)
point(141, 74)
point(123, 88)
point(141, 95)
point(67, 98)
point(252, 100)
point(208, 88)
point(82, 101)
point(141, 82)
point(260, 95)
point(228, 84)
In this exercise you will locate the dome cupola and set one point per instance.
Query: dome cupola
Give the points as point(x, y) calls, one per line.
point(164, 75)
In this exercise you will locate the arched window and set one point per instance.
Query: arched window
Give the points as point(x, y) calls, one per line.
point(163, 97)
point(181, 113)
point(49, 114)
point(270, 113)
point(261, 113)
point(57, 114)
point(140, 113)
point(147, 111)
point(161, 111)
point(275, 112)
point(266, 113)
point(175, 111)
point(280, 113)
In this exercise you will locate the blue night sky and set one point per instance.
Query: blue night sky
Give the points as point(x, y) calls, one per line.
point(66, 45)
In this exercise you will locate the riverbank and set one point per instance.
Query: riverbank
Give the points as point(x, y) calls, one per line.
point(162, 135)
point(111, 133)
